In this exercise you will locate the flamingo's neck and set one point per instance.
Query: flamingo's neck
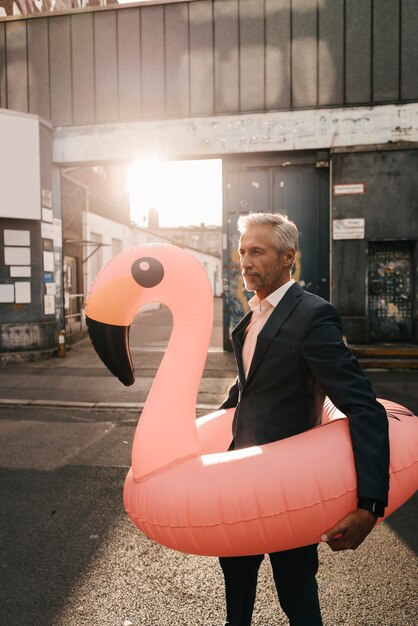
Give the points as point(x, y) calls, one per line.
point(166, 431)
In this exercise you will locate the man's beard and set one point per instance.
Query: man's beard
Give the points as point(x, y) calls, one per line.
point(252, 282)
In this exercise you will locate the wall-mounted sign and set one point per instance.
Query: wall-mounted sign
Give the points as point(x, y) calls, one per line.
point(352, 189)
point(49, 277)
point(16, 237)
point(49, 305)
point(47, 198)
point(48, 261)
point(16, 256)
point(22, 271)
point(7, 293)
point(47, 230)
point(50, 289)
point(20, 178)
point(22, 292)
point(47, 214)
point(352, 228)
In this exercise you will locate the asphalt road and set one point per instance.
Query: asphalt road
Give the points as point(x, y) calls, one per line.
point(71, 557)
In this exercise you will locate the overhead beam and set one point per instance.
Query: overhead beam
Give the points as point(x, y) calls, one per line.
point(235, 134)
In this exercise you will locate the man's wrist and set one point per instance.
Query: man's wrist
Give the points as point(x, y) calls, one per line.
point(374, 506)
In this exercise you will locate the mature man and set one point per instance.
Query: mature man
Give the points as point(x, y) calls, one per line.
point(290, 354)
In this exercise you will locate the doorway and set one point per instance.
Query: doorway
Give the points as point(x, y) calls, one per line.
point(73, 299)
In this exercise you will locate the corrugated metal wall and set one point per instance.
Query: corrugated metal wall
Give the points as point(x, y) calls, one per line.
point(209, 57)
point(390, 208)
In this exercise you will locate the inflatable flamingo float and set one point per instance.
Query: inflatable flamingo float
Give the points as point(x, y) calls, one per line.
point(184, 489)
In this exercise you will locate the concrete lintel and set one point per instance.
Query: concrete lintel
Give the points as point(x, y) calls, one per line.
point(312, 129)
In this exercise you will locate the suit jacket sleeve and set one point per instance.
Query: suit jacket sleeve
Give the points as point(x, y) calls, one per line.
point(336, 369)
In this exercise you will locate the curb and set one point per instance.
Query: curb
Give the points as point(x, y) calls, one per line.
point(96, 406)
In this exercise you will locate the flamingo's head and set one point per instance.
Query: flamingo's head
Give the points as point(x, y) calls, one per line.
point(140, 275)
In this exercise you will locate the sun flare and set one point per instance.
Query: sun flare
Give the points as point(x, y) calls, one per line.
point(184, 193)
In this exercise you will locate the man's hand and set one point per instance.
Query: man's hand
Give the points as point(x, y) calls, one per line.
point(351, 531)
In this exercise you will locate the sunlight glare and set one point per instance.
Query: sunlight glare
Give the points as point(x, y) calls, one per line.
point(230, 455)
point(185, 193)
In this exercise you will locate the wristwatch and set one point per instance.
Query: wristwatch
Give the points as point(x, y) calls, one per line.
point(374, 506)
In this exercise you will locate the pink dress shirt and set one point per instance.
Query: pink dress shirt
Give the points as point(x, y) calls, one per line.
point(261, 312)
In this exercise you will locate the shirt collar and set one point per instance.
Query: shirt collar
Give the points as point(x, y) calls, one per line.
point(272, 299)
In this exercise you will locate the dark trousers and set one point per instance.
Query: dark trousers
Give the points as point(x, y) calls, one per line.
point(294, 575)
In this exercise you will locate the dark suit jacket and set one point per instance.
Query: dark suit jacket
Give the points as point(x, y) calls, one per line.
point(300, 356)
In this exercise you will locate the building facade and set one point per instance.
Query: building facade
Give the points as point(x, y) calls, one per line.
point(312, 105)
point(204, 237)
point(31, 304)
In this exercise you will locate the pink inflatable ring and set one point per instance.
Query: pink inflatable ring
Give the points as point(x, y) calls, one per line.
point(184, 489)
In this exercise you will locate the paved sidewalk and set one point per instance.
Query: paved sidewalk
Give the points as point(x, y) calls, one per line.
point(70, 555)
point(80, 380)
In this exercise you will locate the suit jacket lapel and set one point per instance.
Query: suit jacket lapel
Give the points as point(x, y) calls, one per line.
point(273, 324)
point(237, 337)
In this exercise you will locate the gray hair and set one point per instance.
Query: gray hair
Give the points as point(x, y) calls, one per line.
point(285, 232)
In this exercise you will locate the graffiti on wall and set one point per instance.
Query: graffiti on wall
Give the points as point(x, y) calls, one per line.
point(390, 291)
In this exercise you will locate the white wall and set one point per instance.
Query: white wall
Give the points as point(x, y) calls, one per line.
point(20, 168)
point(115, 236)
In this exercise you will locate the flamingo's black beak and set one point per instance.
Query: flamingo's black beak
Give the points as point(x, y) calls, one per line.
point(112, 345)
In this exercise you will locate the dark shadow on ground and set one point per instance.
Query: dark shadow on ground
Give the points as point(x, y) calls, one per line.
point(51, 526)
point(404, 523)
point(400, 386)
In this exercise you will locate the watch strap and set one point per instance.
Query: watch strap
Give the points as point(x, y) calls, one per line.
point(374, 506)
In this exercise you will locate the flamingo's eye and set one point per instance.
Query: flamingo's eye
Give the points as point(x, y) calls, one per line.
point(147, 272)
